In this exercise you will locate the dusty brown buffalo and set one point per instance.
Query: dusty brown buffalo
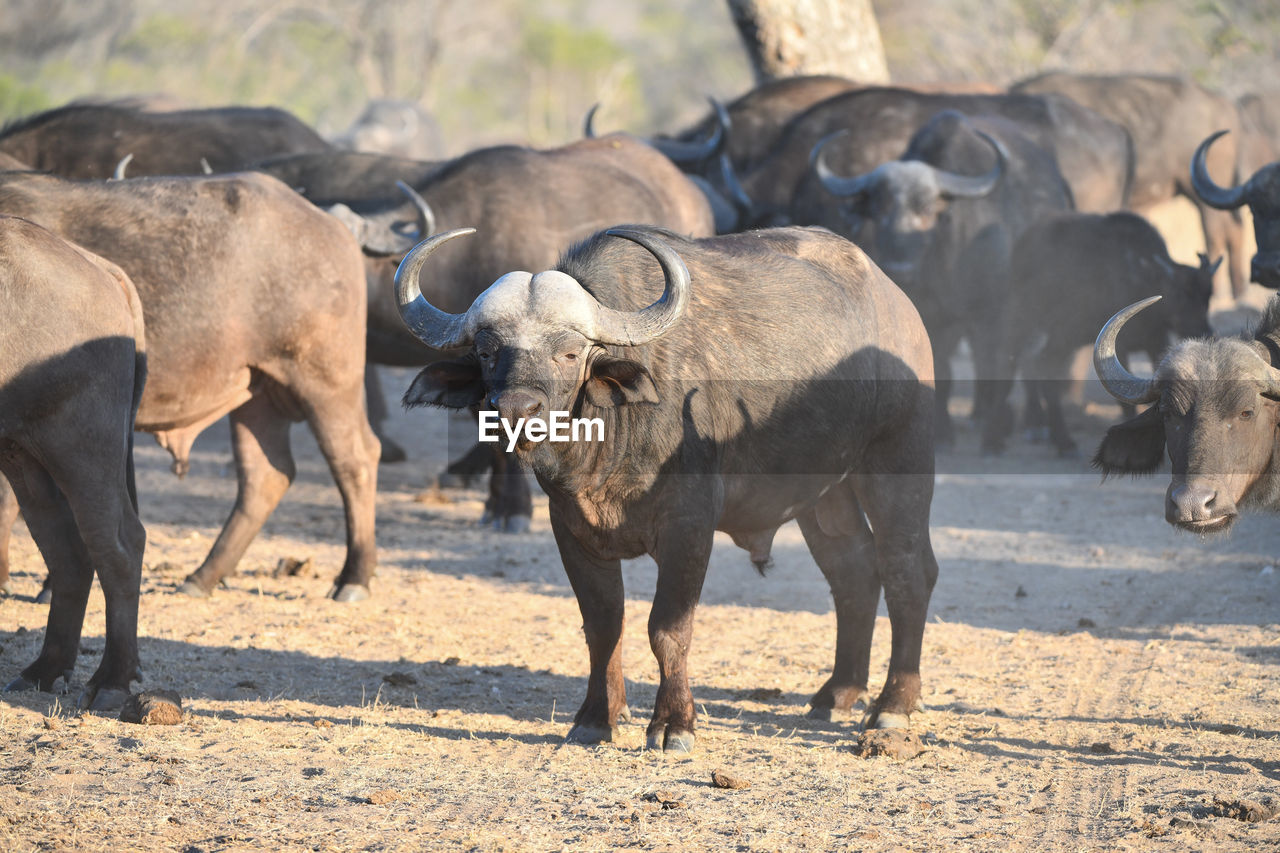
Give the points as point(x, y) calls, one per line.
point(72, 369)
point(1217, 411)
point(531, 206)
point(255, 306)
point(780, 375)
point(1167, 117)
point(90, 140)
point(1262, 193)
point(1070, 271)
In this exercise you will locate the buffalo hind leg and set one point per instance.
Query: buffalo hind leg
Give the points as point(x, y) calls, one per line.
point(460, 472)
point(349, 446)
point(264, 470)
point(378, 413)
point(597, 584)
point(1224, 236)
point(849, 564)
point(682, 555)
point(53, 527)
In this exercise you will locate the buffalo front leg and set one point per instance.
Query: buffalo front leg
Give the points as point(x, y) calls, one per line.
point(682, 565)
point(510, 505)
point(8, 517)
point(264, 470)
point(849, 564)
point(597, 584)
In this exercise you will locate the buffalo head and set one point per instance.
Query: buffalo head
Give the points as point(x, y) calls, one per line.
point(392, 231)
point(1216, 412)
point(1262, 193)
point(893, 210)
point(537, 342)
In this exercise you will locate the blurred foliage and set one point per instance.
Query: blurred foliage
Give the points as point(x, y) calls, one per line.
point(525, 71)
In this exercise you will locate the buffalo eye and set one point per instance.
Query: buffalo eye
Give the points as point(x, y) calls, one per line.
point(1246, 414)
point(570, 356)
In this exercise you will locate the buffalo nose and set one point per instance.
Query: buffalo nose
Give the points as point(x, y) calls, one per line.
point(514, 405)
point(1188, 502)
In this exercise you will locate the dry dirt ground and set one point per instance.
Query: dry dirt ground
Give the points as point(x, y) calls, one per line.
point(1092, 680)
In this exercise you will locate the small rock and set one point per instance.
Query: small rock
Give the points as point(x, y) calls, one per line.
point(322, 723)
point(1102, 748)
point(153, 708)
point(451, 661)
point(290, 567)
point(895, 743)
point(399, 679)
point(1039, 810)
point(1086, 622)
point(52, 723)
point(247, 685)
point(1097, 552)
point(382, 797)
point(720, 779)
point(1253, 809)
point(1020, 592)
point(666, 799)
point(764, 694)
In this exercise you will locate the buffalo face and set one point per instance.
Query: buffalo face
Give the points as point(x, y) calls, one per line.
point(536, 343)
point(1262, 193)
point(1216, 414)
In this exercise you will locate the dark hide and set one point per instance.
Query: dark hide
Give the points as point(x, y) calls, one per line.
point(1093, 154)
point(1167, 117)
point(1219, 416)
point(88, 141)
point(1072, 272)
point(795, 385)
point(363, 182)
point(72, 370)
point(255, 306)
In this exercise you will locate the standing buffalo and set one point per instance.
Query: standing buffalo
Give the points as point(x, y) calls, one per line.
point(531, 205)
point(942, 221)
point(72, 368)
point(1262, 193)
point(255, 306)
point(89, 140)
point(780, 375)
point(1167, 116)
point(1216, 409)
point(1094, 155)
point(1069, 271)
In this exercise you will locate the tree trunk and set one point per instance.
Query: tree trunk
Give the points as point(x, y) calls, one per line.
point(787, 38)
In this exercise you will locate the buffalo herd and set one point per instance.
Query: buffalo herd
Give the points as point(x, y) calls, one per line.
point(761, 311)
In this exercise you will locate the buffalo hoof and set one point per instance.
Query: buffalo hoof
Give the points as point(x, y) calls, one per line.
point(349, 592)
point(588, 735)
point(670, 740)
point(44, 596)
point(193, 589)
point(20, 685)
point(5, 591)
point(391, 452)
point(885, 720)
point(102, 699)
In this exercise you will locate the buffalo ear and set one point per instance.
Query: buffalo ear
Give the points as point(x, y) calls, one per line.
point(449, 384)
point(1133, 447)
point(617, 381)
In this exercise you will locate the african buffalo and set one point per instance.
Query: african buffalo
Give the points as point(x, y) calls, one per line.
point(1216, 410)
point(531, 205)
point(1068, 272)
point(255, 306)
point(1262, 193)
point(942, 221)
point(780, 375)
point(72, 369)
point(1166, 116)
point(89, 140)
point(1093, 154)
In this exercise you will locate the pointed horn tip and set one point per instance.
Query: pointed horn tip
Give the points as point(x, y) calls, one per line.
point(589, 122)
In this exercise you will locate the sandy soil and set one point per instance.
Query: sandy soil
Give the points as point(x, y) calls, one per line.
point(1093, 681)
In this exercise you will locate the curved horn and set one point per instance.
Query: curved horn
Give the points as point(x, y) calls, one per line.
point(681, 152)
point(118, 174)
point(205, 167)
point(967, 186)
point(737, 194)
point(426, 218)
point(632, 328)
point(1118, 381)
point(589, 123)
point(835, 184)
point(435, 328)
point(1212, 194)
